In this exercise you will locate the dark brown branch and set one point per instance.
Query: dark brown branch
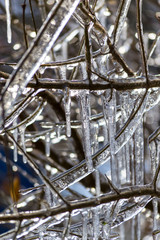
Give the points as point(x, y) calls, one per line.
point(125, 193)
point(120, 84)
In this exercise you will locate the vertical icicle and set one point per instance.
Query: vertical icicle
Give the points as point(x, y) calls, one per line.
point(8, 16)
point(111, 111)
point(95, 217)
point(85, 116)
point(132, 161)
point(41, 5)
point(22, 134)
point(47, 144)
point(95, 131)
point(139, 154)
point(83, 70)
point(155, 154)
point(98, 184)
point(133, 228)
point(58, 131)
point(95, 211)
point(15, 135)
point(84, 222)
point(138, 226)
point(155, 217)
point(63, 69)
point(122, 231)
point(124, 156)
point(67, 108)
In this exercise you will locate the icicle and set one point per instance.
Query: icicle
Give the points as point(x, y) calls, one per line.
point(41, 5)
point(106, 226)
point(85, 221)
point(15, 135)
point(58, 131)
point(98, 184)
point(83, 70)
point(122, 232)
point(154, 154)
point(63, 69)
point(155, 158)
point(22, 130)
point(67, 220)
point(139, 226)
point(85, 116)
point(123, 156)
point(111, 112)
point(47, 144)
point(95, 216)
point(8, 16)
point(67, 108)
point(133, 228)
point(95, 131)
point(139, 155)
point(132, 161)
point(155, 217)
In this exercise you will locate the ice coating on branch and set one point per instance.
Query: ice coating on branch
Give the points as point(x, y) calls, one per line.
point(18, 109)
point(121, 18)
point(131, 209)
point(85, 117)
point(36, 53)
point(8, 16)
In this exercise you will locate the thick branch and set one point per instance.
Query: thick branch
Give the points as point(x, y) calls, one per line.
point(125, 193)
